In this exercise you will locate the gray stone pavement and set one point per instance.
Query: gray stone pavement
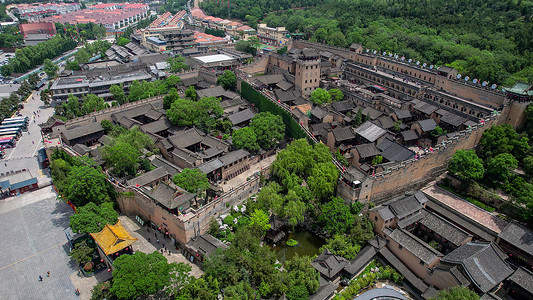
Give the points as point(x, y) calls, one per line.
point(31, 141)
point(34, 242)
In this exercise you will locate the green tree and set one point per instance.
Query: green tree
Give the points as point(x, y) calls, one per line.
point(144, 274)
point(438, 131)
point(92, 103)
point(457, 293)
point(122, 41)
point(50, 68)
point(282, 50)
point(336, 95)
point(269, 129)
point(302, 273)
point(122, 158)
point(245, 138)
point(134, 137)
point(294, 211)
point(467, 165)
point(260, 222)
point(320, 97)
point(92, 218)
point(72, 107)
point(202, 113)
point(82, 253)
point(192, 180)
point(323, 180)
point(85, 184)
point(73, 65)
point(341, 245)
point(528, 165)
point(358, 118)
point(377, 160)
point(496, 140)
point(45, 97)
point(118, 93)
point(335, 216)
point(297, 292)
point(270, 200)
point(227, 80)
point(101, 290)
point(107, 125)
point(82, 56)
point(499, 168)
point(170, 98)
point(177, 64)
point(33, 79)
point(190, 93)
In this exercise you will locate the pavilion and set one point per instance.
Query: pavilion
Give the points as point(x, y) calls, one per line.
point(113, 241)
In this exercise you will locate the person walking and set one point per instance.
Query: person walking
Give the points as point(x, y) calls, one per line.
point(40, 278)
point(48, 274)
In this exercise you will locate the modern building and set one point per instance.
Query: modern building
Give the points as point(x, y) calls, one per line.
point(114, 16)
point(276, 37)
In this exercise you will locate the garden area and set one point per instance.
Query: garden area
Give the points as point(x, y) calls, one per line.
point(85, 254)
point(497, 175)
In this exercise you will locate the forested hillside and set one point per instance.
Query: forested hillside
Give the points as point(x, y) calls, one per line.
point(487, 39)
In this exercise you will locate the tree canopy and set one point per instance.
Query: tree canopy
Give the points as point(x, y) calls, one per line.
point(457, 293)
point(269, 129)
point(202, 113)
point(92, 218)
point(245, 138)
point(192, 180)
point(85, 184)
point(227, 80)
point(336, 95)
point(144, 274)
point(320, 97)
point(467, 165)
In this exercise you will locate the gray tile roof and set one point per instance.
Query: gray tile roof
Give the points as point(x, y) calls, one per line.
point(370, 131)
point(233, 156)
point(75, 133)
point(426, 108)
point(171, 197)
point(404, 205)
point(211, 166)
point(361, 260)
point(187, 138)
point(403, 113)
point(324, 292)
point(367, 150)
point(269, 79)
point(453, 119)
point(216, 91)
point(157, 126)
point(241, 116)
point(414, 245)
point(483, 263)
point(409, 135)
point(427, 125)
point(81, 149)
point(343, 106)
point(386, 122)
point(343, 133)
point(284, 85)
point(318, 112)
point(393, 151)
point(523, 278)
point(445, 229)
point(371, 112)
point(205, 244)
point(518, 236)
point(329, 264)
point(150, 176)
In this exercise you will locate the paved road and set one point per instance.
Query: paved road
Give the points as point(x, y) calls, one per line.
point(24, 155)
point(33, 242)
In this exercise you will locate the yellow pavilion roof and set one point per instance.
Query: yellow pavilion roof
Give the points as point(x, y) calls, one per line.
point(113, 238)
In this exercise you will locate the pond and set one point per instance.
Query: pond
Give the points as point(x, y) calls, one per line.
point(308, 244)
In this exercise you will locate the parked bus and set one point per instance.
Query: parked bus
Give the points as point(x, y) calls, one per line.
point(11, 129)
point(17, 126)
point(22, 124)
point(7, 142)
point(8, 133)
point(23, 118)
